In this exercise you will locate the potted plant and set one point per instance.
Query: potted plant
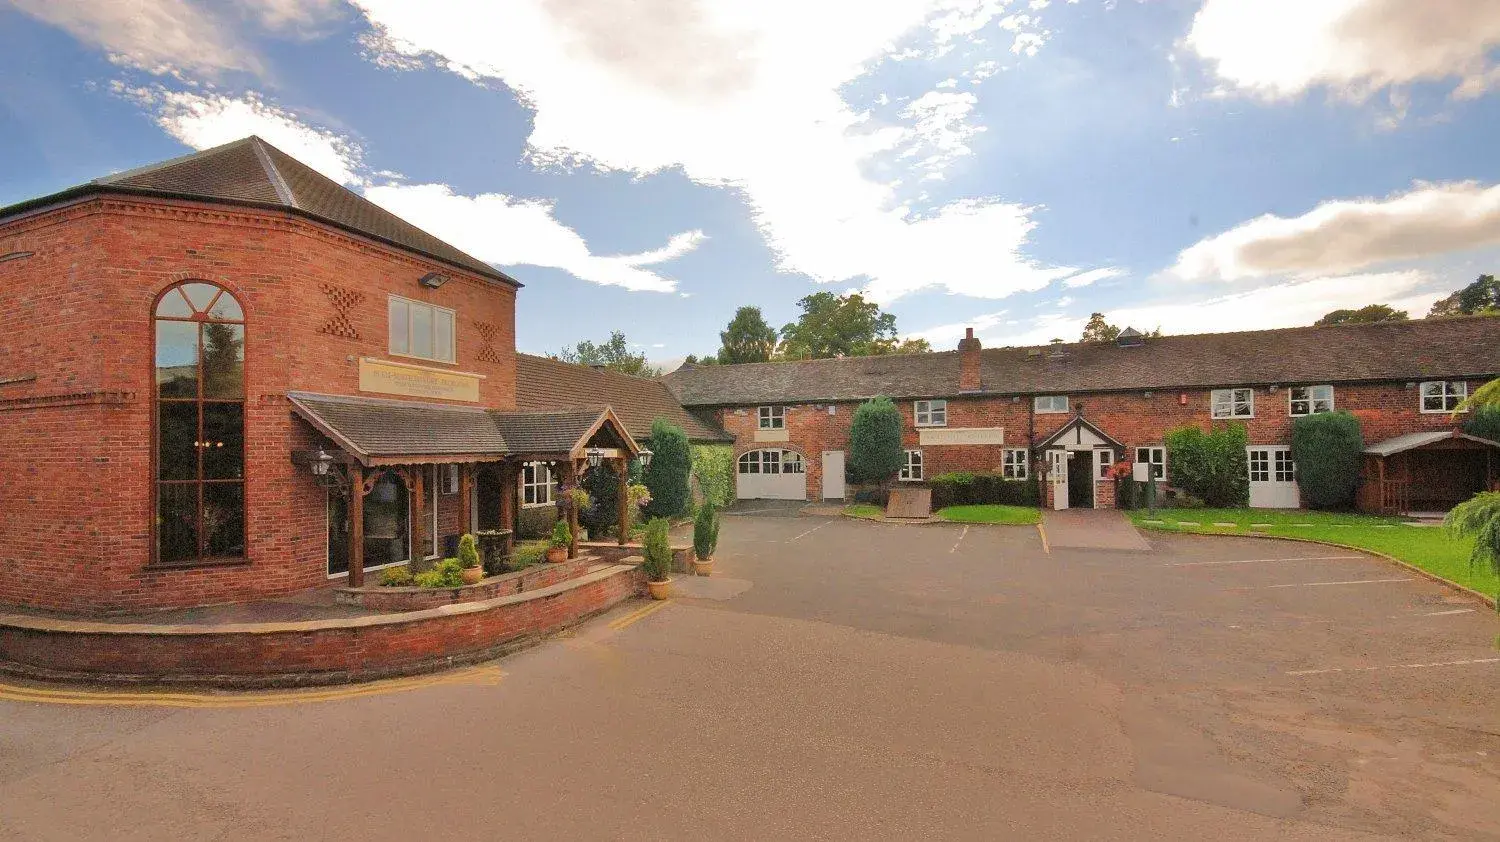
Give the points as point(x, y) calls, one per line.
point(705, 539)
point(658, 559)
point(468, 559)
point(562, 538)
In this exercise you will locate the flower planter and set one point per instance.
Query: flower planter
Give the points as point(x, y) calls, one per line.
point(660, 590)
point(703, 566)
point(557, 555)
point(473, 575)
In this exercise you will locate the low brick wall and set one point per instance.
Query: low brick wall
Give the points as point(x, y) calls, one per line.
point(612, 552)
point(315, 652)
point(537, 576)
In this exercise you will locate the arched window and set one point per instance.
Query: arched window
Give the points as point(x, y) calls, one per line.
point(199, 425)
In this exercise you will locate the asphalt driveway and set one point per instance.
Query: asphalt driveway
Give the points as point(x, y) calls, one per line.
point(851, 680)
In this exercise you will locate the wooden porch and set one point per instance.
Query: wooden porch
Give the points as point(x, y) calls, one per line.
point(1427, 472)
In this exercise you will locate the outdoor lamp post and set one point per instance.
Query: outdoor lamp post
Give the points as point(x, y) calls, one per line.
point(595, 456)
point(645, 457)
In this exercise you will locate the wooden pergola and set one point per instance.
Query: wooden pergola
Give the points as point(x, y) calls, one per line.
point(1438, 469)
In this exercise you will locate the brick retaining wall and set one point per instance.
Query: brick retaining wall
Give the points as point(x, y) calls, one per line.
point(537, 576)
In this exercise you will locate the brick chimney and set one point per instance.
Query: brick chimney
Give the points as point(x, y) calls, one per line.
point(968, 363)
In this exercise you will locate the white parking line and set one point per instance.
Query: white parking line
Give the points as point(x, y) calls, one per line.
point(1398, 666)
point(810, 531)
point(960, 540)
point(1263, 560)
point(1446, 613)
point(1320, 584)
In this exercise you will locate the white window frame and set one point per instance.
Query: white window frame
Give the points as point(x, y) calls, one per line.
point(771, 417)
point(1315, 400)
point(1104, 459)
point(437, 354)
point(538, 481)
point(450, 479)
point(1263, 456)
point(1048, 404)
point(748, 463)
point(1233, 402)
point(911, 466)
point(1454, 391)
point(1156, 457)
point(1015, 463)
point(1283, 467)
point(930, 413)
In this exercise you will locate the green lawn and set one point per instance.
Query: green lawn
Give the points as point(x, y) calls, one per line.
point(865, 510)
point(991, 514)
point(1432, 548)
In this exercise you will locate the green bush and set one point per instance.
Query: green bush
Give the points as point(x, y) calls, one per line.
point(535, 522)
point(657, 551)
point(396, 577)
point(706, 531)
point(468, 551)
point(966, 488)
point(526, 554)
point(562, 536)
point(1126, 494)
point(1210, 466)
point(448, 574)
point(1328, 449)
point(1484, 422)
point(667, 475)
point(875, 453)
point(713, 465)
point(603, 514)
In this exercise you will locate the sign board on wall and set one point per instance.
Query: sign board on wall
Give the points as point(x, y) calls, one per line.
point(414, 381)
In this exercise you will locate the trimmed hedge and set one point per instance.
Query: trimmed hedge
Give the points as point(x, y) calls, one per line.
point(963, 488)
point(875, 453)
point(1212, 467)
point(667, 475)
point(535, 522)
point(1328, 449)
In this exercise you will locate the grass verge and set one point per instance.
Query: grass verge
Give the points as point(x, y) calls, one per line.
point(1016, 515)
point(1431, 548)
point(867, 511)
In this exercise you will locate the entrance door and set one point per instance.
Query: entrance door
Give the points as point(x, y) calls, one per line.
point(338, 534)
point(1273, 478)
point(833, 475)
point(1081, 479)
point(485, 507)
point(1057, 472)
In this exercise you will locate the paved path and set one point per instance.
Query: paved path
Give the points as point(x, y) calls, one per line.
point(1092, 529)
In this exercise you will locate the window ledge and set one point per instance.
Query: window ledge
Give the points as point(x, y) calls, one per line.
point(196, 563)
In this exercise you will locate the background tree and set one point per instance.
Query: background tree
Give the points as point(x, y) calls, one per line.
point(1099, 330)
point(694, 359)
point(614, 355)
point(667, 475)
point(1481, 297)
point(747, 338)
point(1368, 314)
point(875, 453)
point(1328, 449)
point(838, 326)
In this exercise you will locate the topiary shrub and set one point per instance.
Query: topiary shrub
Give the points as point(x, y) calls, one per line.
point(396, 577)
point(713, 466)
point(875, 453)
point(602, 515)
point(1484, 422)
point(657, 551)
point(1210, 466)
point(1328, 449)
point(706, 531)
point(468, 552)
point(668, 474)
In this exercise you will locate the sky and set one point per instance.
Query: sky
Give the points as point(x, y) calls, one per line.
point(1007, 165)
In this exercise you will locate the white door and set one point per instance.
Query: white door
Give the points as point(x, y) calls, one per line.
point(833, 475)
point(1273, 478)
point(771, 475)
point(1057, 470)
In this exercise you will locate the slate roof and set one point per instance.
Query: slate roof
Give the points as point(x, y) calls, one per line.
point(546, 384)
point(1390, 351)
point(546, 432)
point(371, 428)
point(252, 172)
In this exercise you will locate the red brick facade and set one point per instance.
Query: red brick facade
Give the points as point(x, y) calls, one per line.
point(76, 435)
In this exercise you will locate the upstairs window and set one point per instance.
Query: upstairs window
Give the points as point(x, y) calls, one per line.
point(1234, 403)
point(1443, 395)
point(911, 466)
point(931, 413)
point(1050, 403)
point(422, 330)
point(1310, 400)
point(199, 425)
point(773, 418)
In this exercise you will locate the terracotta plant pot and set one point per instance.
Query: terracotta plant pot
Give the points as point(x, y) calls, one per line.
point(660, 590)
point(473, 575)
point(703, 566)
point(557, 555)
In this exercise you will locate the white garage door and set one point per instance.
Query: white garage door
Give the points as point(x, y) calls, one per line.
point(771, 475)
point(1273, 478)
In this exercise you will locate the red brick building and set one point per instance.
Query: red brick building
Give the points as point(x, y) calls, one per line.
point(226, 377)
point(1066, 413)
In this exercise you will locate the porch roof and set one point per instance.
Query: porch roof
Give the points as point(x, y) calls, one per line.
point(1412, 441)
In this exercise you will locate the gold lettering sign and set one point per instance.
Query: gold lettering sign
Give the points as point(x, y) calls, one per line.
point(389, 378)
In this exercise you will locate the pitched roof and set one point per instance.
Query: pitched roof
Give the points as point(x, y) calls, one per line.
point(250, 171)
point(547, 432)
point(371, 429)
point(1390, 351)
point(1412, 441)
point(546, 384)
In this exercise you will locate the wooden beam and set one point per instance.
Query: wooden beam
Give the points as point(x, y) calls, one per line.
point(465, 503)
point(356, 526)
point(622, 470)
point(570, 478)
point(420, 540)
point(509, 473)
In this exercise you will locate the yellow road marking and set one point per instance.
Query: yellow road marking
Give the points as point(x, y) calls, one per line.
point(1046, 547)
point(488, 675)
point(638, 614)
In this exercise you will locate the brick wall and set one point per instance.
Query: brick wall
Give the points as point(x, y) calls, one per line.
point(75, 442)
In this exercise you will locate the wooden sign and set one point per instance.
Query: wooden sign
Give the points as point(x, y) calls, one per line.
point(415, 381)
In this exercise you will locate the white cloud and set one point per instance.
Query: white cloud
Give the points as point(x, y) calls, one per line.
point(1351, 235)
point(1278, 49)
point(745, 95)
point(155, 35)
point(1092, 276)
point(945, 337)
point(942, 131)
point(494, 227)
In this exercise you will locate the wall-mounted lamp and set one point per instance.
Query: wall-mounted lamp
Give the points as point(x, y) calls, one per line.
point(320, 461)
point(645, 457)
point(1149, 394)
point(595, 456)
point(433, 280)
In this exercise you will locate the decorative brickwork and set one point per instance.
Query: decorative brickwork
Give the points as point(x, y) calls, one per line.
point(343, 300)
point(487, 333)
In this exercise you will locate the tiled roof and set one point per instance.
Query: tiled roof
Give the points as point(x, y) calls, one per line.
point(251, 171)
point(374, 428)
point(546, 384)
point(1412, 441)
point(546, 432)
point(1414, 350)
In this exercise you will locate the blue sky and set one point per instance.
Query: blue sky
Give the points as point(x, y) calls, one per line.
point(1012, 165)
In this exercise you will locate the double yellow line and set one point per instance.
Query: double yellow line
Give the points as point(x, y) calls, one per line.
point(488, 675)
point(638, 615)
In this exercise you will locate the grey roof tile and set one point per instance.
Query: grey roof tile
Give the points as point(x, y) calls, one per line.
point(547, 384)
